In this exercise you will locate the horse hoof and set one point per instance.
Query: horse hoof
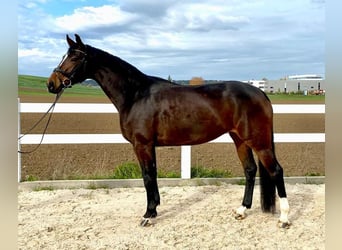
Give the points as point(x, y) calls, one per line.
point(146, 222)
point(238, 216)
point(285, 225)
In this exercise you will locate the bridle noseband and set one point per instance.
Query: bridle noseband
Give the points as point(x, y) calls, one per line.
point(67, 83)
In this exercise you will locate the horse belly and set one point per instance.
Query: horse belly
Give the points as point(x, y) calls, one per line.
point(188, 132)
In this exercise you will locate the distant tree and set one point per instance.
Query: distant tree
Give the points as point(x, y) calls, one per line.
point(169, 79)
point(196, 80)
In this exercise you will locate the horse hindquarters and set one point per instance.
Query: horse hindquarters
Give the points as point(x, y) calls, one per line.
point(254, 127)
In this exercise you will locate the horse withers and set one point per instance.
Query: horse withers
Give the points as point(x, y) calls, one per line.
point(156, 112)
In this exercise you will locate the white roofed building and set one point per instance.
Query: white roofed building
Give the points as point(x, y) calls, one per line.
point(308, 83)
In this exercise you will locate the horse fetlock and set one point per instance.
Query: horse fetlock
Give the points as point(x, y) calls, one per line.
point(285, 225)
point(284, 211)
point(146, 222)
point(149, 218)
point(151, 213)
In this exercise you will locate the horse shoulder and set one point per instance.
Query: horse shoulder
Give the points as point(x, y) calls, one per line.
point(137, 122)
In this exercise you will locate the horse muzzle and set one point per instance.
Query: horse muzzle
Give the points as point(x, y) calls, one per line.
point(52, 89)
point(62, 84)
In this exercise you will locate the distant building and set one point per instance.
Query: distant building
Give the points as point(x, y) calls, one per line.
point(261, 84)
point(313, 84)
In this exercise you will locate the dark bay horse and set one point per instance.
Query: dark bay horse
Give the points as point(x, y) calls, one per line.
point(155, 112)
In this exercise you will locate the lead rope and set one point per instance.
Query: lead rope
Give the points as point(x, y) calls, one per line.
point(46, 126)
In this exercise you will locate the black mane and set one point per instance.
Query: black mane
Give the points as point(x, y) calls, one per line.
point(116, 64)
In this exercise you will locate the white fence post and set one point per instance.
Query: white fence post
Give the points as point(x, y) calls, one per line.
point(185, 162)
point(19, 155)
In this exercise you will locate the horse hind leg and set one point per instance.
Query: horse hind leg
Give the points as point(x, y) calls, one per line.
point(272, 178)
point(249, 166)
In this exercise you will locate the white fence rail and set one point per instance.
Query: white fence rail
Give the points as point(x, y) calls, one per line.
point(118, 138)
point(109, 108)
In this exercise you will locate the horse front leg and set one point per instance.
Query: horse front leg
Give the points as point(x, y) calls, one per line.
point(147, 159)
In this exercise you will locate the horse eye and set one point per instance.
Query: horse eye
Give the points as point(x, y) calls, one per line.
point(75, 58)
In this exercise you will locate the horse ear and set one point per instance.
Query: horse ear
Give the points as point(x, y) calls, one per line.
point(79, 41)
point(70, 42)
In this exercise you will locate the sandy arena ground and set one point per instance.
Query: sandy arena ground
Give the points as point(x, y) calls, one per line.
point(189, 218)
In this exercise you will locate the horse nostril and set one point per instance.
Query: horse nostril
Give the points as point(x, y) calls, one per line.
point(50, 86)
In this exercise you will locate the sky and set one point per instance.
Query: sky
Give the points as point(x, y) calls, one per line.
point(212, 39)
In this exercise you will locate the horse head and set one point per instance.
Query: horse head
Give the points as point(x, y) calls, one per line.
point(72, 68)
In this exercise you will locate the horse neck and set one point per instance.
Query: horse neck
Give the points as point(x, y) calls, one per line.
point(120, 81)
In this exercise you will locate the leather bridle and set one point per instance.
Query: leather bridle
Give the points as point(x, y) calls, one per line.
point(68, 82)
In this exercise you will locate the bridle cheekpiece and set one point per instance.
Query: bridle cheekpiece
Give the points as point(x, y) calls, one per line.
point(67, 83)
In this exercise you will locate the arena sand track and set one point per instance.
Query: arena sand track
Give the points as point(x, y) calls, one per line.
point(189, 218)
point(87, 161)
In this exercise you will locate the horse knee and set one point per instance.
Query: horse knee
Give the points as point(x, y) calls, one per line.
point(251, 170)
point(148, 177)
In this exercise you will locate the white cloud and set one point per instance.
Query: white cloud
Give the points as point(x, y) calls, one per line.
point(30, 52)
point(90, 17)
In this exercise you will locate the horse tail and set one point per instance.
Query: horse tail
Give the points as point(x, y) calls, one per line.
point(267, 190)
